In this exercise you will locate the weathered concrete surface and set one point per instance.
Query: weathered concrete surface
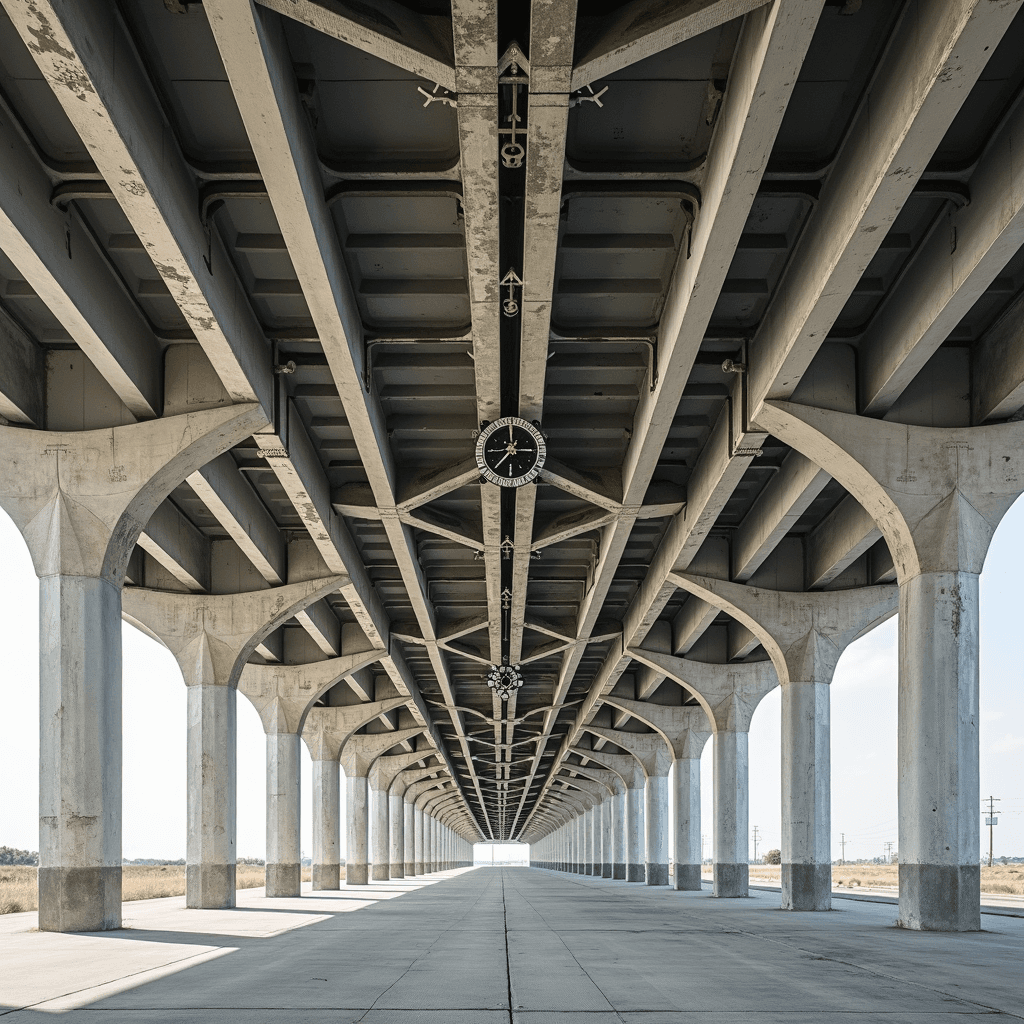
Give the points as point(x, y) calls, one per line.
point(555, 943)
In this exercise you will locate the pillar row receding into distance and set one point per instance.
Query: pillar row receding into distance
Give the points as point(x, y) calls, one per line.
point(686, 731)
point(357, 756)
point(804, 634)
point(388, 841)
point(654, 757)
point(729, 695)
point(81, 500)
point(325, 731)
point(937, 496)
point(629, 855)
point(211, 638)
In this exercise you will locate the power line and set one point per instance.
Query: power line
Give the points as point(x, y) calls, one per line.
point(991, 820)
point(757, 836)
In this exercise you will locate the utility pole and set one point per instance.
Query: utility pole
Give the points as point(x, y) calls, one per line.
point(991, 820)
point(703, 843)
point(842, 843)
point(756, 838)
point(888, 853)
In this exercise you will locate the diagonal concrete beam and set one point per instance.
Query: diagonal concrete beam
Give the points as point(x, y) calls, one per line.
point(389, 30)
point(646, 27)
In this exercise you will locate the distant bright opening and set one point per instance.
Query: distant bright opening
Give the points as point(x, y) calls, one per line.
point(501, 855)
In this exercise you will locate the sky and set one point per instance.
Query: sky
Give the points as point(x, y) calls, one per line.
point(863, 729)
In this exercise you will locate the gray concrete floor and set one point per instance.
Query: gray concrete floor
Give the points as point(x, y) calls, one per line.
point(509, 945)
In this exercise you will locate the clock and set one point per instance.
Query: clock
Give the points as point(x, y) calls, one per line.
point(510, 452)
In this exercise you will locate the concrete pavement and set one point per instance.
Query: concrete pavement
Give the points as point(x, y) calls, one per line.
point(508, 945)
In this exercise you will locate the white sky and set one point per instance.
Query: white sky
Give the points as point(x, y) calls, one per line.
point(863, 729)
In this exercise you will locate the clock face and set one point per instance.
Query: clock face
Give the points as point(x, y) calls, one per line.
point(510, 452)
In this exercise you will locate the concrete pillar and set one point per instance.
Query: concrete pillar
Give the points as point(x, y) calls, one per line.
point(806, 797)
point(410, 838)
point(283, 870)
point(607, 818)
point(686, 841)
point(380, 831)
point(80, 501)
point(619, 836)
point(210, 772)
point(656, 829)
point(732, 809)
point(326, 871)
point(587, 825)
point(939, 784)
point(79, 753)
point(595, 838)
point(420, 841)
point(357, 817)
point(396, 819)
point(635, 854)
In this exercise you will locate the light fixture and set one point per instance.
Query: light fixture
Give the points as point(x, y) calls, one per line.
point(504, 679)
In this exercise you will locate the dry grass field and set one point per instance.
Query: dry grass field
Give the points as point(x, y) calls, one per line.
point(997, 880)
point(139, 882)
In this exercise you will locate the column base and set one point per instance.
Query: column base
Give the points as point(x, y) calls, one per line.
point(380, 872)
point(607, 870)
point(284, 880)
point(732, 880)
point(398, 871)
point(410, 868)
point(357, 874)
point(687, 877)
point(209, 886)
point(419, 867)
point(657, 874)
point(79, 899)
point(619, 871)
point(635, 873)
point(588, 869)
point(940, 897)
point(326, 876)
point(806, 886)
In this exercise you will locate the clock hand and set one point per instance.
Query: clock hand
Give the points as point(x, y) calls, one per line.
point(502, 459)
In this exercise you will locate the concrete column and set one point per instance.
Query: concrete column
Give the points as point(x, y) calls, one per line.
point(79, 754)
point(283, 871)
point(656, 829)
point(396, 820)
point(381, 837)
point(357, 818)
point(595, 838)
point(635, 853)
point(587, 824)
point(806, 797)
point(607, 856)
point(619, 817)
point(939, 787)
point(686, 842)
point(409, 810)
point(326, 872)
point(210, 771)
point(731, 798)
point(420, 842)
